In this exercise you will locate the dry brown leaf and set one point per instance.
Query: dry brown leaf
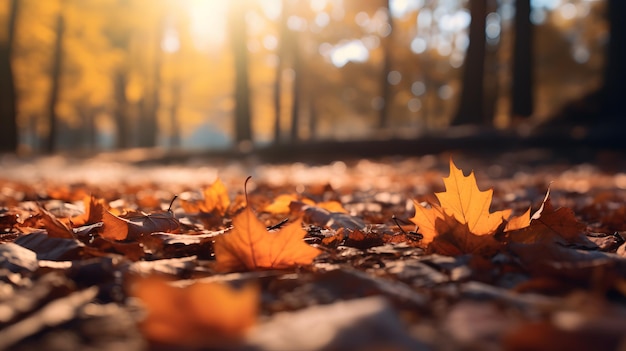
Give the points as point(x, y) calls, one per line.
point(55, 227)
point(198, 315)
point(94, 209)
point(250, 246)
point(116, 228)
point(549, 225)
point(463, 202)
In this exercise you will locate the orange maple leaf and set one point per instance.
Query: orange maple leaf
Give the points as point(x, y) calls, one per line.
point(282, 204)
point(198, 315)
point(462, 201)
point(456, 239)
point(518, 222)
point(215, 198)
point(250, 246)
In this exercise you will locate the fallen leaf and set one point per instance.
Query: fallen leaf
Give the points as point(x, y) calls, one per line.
point(102, 247)
point(456, 239)
point(250, 246)
point(117, 228)
point(548, 225)
point(198, 315)
point(281, 203)
point(323, 217)
point(93, 213)
point(18, 259)
point(332, 206)
point(214, 198)
point(54, 226)
point(50, 248)
point(462, 202)
point(518, 222)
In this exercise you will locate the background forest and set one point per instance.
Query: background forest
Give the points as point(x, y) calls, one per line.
point(98, 75)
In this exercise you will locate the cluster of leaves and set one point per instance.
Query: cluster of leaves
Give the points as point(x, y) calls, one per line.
point(227, 236)
point(461, 223)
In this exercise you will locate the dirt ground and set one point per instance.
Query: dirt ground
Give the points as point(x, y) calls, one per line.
point(374, 286)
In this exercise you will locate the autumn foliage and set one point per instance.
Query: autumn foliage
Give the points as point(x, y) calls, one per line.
point(250, 246)
point(462, 222)
point(200, 314)
point(213, 269)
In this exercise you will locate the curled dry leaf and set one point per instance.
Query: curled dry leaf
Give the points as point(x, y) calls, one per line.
point(54, 226)
point(116, 228)
point(94, 209)
point(198, 315)
point(250, 246)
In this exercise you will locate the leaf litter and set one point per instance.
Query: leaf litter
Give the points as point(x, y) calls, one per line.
point(362, 255)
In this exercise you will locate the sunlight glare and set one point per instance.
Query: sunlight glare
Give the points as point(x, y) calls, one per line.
point(322, 19)
point(318, 5)
point(170, 42)
point(272, 8)
point(400, 8)
point(455, 22)
point(208, 23)
point(418, 45)
point(351, 51)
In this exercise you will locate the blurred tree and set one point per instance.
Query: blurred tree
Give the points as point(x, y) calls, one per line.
point(612, 91)
point(120, 114)
point(238, 36)
point(296, 90)
point(55, 75)
point(150, 101)
point(174, 122)
point(522, 84)
point(388, 48)
point(8, 113)
point(283, 35)
point(471, 108)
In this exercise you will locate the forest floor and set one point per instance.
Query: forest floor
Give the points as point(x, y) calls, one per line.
point(126, 251)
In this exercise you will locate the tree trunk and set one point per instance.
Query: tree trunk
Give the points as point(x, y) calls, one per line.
point(521, 92)
point(57, 58)
point(612, 92)
point(8, 96)
point(312, 118)
point(296, 90)
point(122, 140)
point(471, 108)
point(149, 122)
point(278, 82)
point(174, 121)
point(387, 46)
point(238, 33)
point(604, 106)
